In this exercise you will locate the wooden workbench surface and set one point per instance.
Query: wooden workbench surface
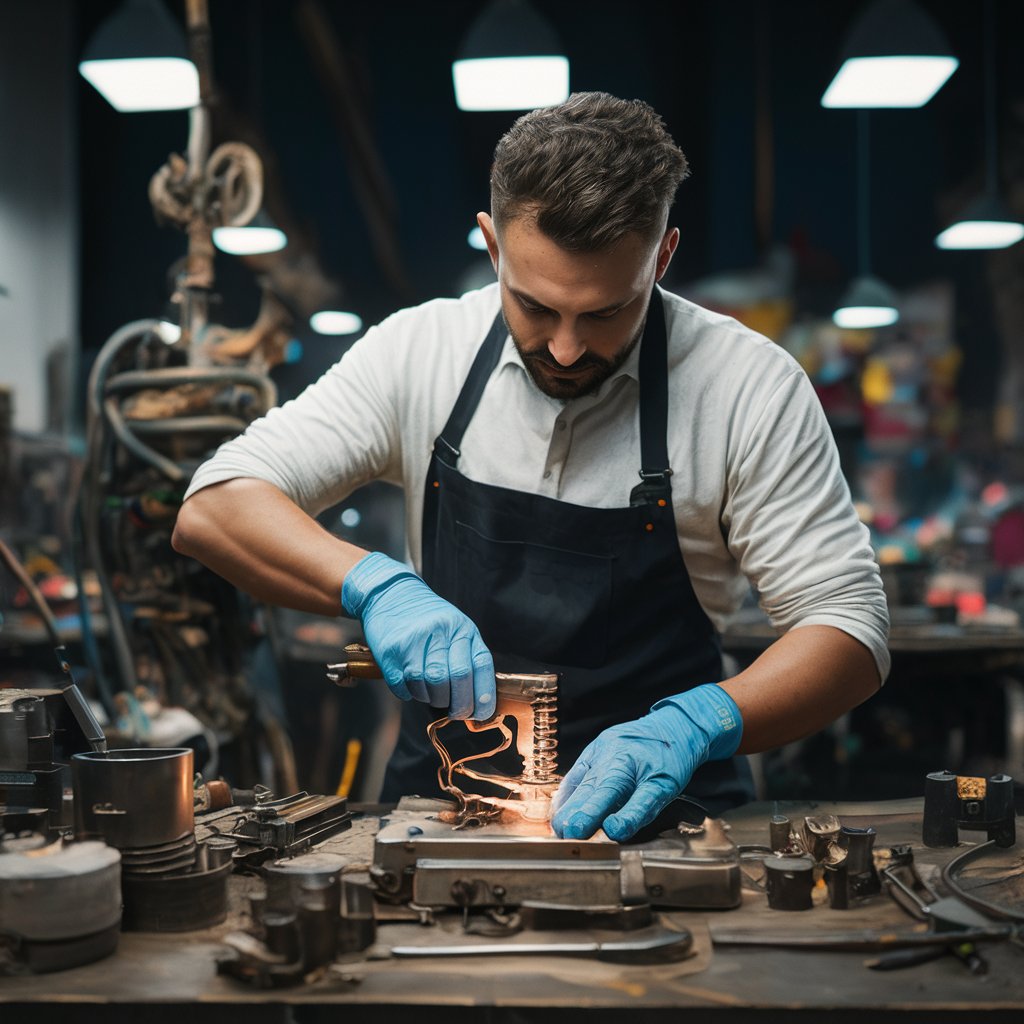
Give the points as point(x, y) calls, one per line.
point(175, 975)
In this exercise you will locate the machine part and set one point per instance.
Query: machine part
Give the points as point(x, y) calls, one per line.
point(134, 797)
point(38, 732)
point(954, 802)
point(165, 859)
point(176, 902)
point(426, 861)
point(652, 945)
point(289, 825)
point(287, 878)
point(531, 699)
point(297, 924)
point(60, 905)
point(560, 917)
point(851, 874)
point(820, 833)
point(788, 882)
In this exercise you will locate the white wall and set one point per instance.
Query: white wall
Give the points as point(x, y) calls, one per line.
point(38, 199)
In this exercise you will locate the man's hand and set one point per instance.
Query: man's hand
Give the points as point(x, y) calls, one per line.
point(626, 776)
point(427, 649)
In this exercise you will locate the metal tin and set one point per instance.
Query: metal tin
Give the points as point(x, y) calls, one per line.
point(135, 797)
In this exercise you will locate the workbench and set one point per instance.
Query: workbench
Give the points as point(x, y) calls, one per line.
point(172, 977)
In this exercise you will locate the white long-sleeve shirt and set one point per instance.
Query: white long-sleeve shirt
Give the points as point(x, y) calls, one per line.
point(756, 486)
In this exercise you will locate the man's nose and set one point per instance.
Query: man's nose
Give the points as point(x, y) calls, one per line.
point(565, 346)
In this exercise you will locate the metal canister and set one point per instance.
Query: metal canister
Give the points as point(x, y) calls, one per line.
point(134, 797)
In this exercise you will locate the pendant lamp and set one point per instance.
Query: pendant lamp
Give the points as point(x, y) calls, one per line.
point(138, 60)
point(986, 222)
point(894, 56)
point(510, 60)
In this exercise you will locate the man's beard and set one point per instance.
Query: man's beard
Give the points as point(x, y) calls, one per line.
point(592, 370)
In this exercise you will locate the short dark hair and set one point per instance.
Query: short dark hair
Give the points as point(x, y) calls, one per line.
point(590, 170)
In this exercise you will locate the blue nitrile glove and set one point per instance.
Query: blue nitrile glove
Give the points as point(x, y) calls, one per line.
point(426, 648)
point(626, 776)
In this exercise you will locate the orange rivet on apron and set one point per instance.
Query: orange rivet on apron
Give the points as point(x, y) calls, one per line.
point(662, 502)
point(649, 527)
point(436, 484)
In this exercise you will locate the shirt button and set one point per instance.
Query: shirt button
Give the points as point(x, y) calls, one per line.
point(547, 474)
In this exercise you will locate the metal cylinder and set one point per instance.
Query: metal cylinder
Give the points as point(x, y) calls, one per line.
point(286, 878)
point(779, 829)
point(134, 797)
point(789, 881)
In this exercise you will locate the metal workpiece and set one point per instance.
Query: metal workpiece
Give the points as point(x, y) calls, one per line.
point(427, 862)
point(528, 699)
point(134, 797)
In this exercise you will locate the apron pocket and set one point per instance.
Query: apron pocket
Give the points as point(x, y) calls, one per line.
point(535, 601)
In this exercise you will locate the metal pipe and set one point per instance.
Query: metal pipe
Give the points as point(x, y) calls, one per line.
point(170, 469)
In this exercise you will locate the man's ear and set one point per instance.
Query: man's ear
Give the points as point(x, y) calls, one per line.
point(490, 237)
point(665, 252)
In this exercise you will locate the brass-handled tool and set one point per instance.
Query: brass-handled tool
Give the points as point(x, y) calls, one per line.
point(358, 664)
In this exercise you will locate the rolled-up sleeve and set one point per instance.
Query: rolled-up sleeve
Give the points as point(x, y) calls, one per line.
point(792, 528)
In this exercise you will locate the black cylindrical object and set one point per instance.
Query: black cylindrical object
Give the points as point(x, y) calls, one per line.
point(999, 809)
point(941, 809)
point(789, 881)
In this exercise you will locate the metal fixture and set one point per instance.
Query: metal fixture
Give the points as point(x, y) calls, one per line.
point(424, 860)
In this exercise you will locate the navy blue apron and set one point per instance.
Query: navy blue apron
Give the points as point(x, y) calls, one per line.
point(599, 595)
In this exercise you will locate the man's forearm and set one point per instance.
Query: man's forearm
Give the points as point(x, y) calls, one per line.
point(805, 680)
point(254, 536)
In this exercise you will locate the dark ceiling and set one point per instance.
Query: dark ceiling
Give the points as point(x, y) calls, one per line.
point(707, 67)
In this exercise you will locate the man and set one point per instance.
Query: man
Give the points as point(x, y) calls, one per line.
point(592, 466)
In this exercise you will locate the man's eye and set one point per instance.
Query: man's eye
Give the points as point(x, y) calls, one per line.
point(605, 315)
point(529, 307)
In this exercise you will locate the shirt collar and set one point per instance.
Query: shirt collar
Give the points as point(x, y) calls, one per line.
point(630, 368)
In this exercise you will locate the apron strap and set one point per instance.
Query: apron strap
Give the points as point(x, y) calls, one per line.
point(653, 369)
point(446, 446)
